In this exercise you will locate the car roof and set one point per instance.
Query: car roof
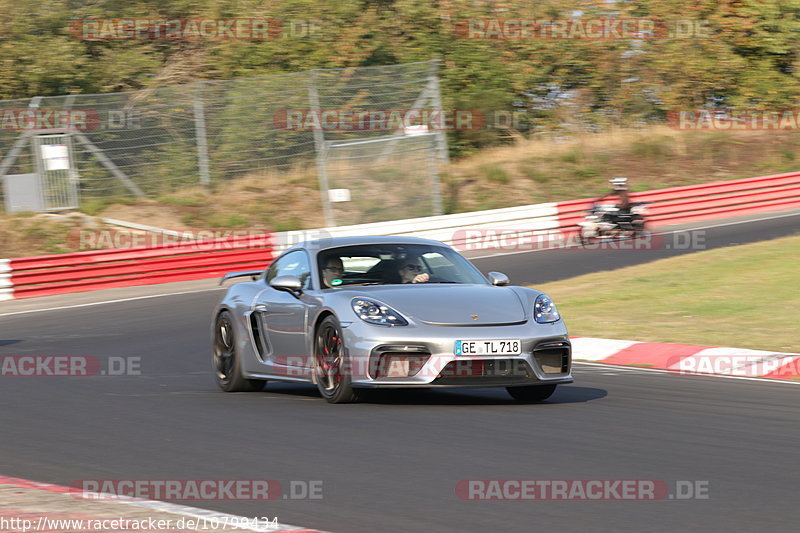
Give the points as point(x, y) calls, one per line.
point(319, 245)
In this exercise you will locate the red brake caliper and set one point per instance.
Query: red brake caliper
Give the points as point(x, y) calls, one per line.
point(326, 353)
point(338, 374)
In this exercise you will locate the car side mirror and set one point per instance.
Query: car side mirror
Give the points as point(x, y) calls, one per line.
point(498, 278)
point(287, 283)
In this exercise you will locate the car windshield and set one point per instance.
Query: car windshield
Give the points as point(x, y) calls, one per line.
point(383, 264)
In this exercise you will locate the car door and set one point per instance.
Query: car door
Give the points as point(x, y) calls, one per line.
point(283, 315)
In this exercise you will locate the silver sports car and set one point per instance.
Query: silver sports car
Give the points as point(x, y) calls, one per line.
point(350, 313)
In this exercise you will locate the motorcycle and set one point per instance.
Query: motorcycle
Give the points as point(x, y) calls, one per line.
point(606, 222)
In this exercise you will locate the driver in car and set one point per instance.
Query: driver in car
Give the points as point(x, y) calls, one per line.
point(411, 271)
point(333, 270)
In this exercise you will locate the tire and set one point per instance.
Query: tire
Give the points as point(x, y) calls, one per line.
point(329, 356)
point(531, 393)
point(640, 228)
point(585, 239)
point(226, 360)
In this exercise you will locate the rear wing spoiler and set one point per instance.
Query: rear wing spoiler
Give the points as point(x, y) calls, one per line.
point(254, 274)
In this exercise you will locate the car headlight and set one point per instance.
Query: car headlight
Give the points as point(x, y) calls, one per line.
point(544, 310)
point(375, 312)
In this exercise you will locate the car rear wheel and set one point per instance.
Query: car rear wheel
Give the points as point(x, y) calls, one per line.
point(531, 393)
point(227, 362)
point(330, 374)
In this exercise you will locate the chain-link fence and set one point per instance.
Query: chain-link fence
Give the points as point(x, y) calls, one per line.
point(370, 178)
point(152, 142)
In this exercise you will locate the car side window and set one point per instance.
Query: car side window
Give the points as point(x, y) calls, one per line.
point(292, 264)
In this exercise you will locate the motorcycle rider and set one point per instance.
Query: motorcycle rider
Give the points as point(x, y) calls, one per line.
point(626, 219)
point(620, 189)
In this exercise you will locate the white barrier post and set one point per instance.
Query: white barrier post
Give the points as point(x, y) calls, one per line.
point(6, 287)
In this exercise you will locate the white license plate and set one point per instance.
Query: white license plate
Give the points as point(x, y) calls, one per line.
point(493, 347)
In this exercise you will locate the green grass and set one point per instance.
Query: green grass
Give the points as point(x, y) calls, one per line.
point(184, 201)
point(741, 296)
point(95, 206)
point(532, 171)
point(584, 172)
point(44, 236)
point(494, 174)
point(658, 148)
point(219, 220)
point(574, 156)
point(291, 224)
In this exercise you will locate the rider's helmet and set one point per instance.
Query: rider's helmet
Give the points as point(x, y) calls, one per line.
point(619, 184)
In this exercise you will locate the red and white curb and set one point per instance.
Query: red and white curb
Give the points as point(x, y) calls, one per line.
point(688, 358)
point(157, 506)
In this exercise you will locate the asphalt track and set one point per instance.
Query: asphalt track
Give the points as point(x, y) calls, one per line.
point(392, 463)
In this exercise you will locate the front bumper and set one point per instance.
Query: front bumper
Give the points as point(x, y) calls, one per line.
point(423, 356)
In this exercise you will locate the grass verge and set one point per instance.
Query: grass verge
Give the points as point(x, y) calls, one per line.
point(740, 296)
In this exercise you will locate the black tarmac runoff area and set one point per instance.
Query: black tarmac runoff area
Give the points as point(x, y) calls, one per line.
point(724, 450)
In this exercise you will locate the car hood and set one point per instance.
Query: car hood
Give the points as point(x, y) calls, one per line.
point(452, 305)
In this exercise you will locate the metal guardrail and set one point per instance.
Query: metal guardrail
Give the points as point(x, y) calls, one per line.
point(144, 265)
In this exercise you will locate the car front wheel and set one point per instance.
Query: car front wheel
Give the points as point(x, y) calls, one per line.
point(330, 372)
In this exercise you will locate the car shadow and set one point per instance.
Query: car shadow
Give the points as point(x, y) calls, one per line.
point(565, 394)
point(8, 342)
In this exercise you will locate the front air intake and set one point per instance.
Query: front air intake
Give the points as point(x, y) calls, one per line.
point(553, 357)
point(398, 361)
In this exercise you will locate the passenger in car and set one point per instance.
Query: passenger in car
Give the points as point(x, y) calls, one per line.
point(411, 271)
